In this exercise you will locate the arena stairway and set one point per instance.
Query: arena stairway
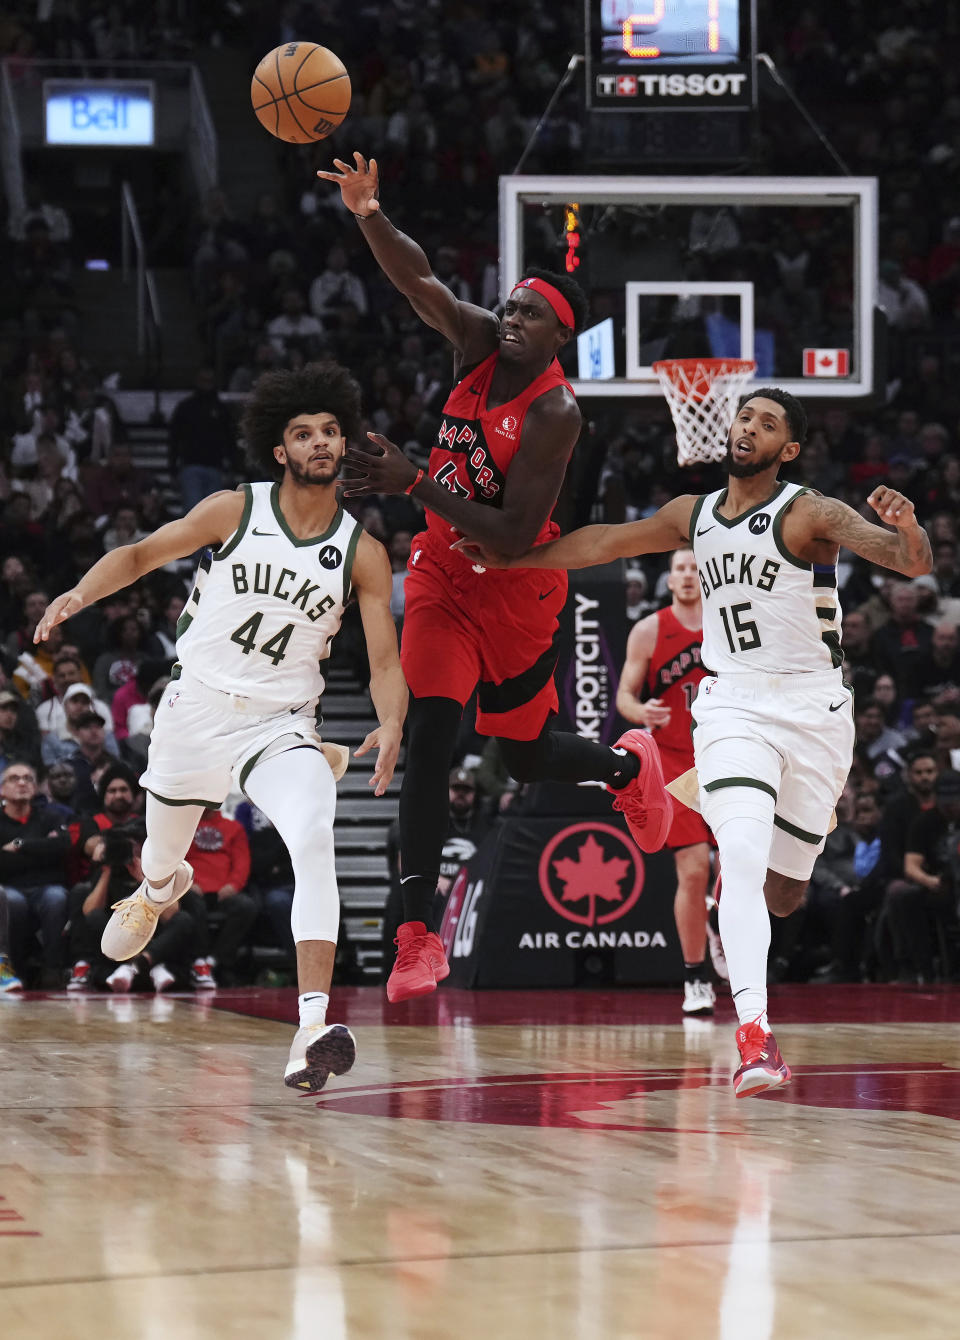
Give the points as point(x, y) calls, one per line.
point(362, 821)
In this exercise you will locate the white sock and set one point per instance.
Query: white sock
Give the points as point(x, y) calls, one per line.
point(744, 843)
point(746, 1015)
point(161, 894)
point(313, 1008)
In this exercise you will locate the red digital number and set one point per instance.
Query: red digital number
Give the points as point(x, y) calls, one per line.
point(642, 21)
point(639, 51)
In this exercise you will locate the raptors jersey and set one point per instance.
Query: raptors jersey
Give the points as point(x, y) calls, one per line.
point(475, 445)
point(266, 605)
point(673, 676)
point(763, 608)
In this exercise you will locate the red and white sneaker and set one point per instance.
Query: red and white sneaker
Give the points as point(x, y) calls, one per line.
point(645, 803)
point(420, 963)
point(201, 975)
point(81, 977)
point(761, 1065)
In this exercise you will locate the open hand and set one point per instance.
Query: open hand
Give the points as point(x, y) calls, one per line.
point(383, 471)
point(892, 507)
point(475, 552)
point(64, 607)
point(386, 739)
point(359, 186)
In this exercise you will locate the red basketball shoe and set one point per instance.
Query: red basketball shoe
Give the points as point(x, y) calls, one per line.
point(645, 803)
point(761, 1065)
point(420, 963)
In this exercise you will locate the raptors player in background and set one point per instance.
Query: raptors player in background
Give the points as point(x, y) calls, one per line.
point(508, 428)
point(663, 666)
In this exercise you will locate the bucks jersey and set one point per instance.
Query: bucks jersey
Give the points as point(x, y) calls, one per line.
point(266, 605)
point(764, 608)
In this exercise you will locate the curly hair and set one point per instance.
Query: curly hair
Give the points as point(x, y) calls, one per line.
point(795, 413)
point(278, 397)
point(570, 289)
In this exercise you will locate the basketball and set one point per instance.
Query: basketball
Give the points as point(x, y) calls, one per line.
point(300, 92)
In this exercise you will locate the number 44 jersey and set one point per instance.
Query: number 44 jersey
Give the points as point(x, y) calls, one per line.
point(763, 607)
point(265, 606)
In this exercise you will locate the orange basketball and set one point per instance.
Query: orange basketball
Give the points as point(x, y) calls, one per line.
point(300, 92)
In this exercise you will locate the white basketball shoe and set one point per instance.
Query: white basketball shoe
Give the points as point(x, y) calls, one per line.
point(317, 1051)
point(130, 929)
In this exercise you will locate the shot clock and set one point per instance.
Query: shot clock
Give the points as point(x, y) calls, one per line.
point(683, 55)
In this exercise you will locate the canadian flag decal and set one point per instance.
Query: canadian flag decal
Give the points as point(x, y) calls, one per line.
point(826, 362)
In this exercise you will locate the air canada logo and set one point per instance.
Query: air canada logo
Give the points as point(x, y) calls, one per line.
point(330, 557)
point(759, 523)
point(591, 873)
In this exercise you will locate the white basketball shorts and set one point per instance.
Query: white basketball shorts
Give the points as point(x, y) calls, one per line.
point(203, 739)
point(791, 736)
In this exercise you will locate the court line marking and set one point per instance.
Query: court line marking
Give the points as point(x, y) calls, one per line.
point(380, 1262)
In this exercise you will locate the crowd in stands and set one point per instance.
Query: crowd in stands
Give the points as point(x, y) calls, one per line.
point(448, 96)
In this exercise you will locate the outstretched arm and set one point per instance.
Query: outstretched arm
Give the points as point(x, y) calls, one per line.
point(592, 545)
point(372, 581)
point(210, 522)
point(905, 549)
point(473, 331)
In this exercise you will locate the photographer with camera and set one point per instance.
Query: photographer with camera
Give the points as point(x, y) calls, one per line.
point(169, 952)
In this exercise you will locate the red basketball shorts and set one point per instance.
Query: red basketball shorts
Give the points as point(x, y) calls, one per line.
point(493, 631)
point(688, 827)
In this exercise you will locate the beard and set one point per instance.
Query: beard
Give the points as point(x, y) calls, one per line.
point(755, 466)
point(323, 472)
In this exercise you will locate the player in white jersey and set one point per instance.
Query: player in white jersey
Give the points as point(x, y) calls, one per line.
point(243, 703)
point(773, 735)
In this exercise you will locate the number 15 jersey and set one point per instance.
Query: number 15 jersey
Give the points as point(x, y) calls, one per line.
point(764, 608)
point(265, 605)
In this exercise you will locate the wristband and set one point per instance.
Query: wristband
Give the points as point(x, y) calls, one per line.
point(362, 218)
point(416, 481)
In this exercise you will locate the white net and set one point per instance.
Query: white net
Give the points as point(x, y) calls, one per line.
point(702, 394)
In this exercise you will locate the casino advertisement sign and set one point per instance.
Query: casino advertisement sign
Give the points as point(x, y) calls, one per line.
point(557, 902)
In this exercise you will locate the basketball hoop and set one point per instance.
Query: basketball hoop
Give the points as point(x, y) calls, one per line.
point(702, 394)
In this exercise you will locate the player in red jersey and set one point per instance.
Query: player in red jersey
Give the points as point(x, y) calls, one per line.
point(507, 432)
point(663, 661)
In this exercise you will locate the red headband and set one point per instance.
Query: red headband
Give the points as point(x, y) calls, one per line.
point(561, 308)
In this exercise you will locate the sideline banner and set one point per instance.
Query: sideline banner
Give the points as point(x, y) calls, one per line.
point(553, 901)
point(593, 644)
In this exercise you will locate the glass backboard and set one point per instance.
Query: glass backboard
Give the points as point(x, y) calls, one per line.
point(779, 269)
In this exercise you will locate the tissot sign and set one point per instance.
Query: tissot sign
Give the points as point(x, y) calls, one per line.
point(706, 88)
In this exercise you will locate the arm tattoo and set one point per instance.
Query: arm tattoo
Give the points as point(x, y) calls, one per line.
point(907, 551)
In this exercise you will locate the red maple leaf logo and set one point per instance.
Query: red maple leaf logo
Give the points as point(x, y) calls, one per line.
point(610, 883)
point(591, 875)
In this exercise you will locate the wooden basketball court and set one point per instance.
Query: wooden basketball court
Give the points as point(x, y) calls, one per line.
point(524, 1164)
